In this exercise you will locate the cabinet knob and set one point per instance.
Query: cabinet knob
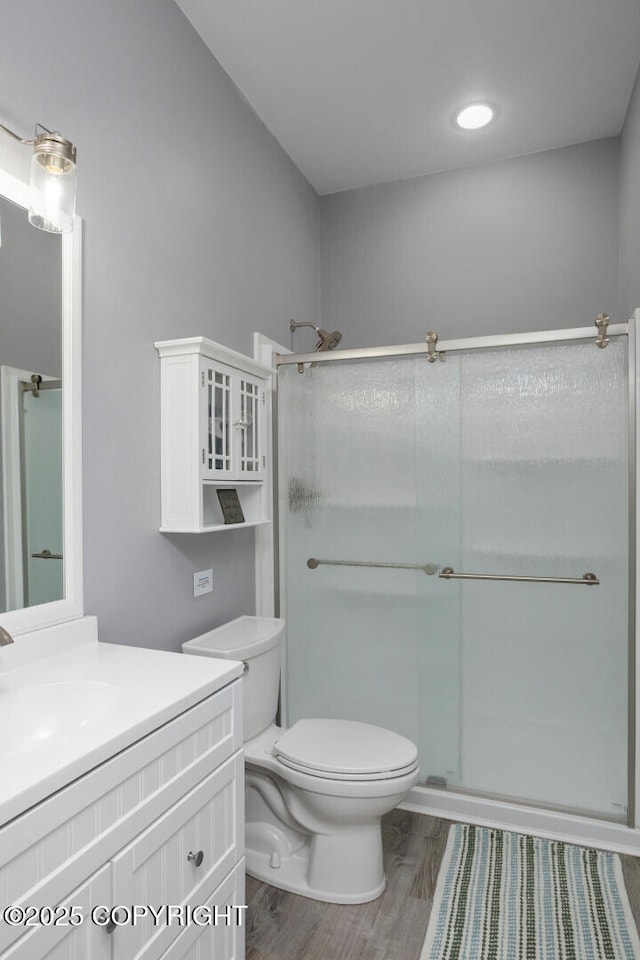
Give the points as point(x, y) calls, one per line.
point(196, 858)
point(108, 921)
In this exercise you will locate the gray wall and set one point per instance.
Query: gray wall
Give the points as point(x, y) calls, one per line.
point(524, 244)
point(630, 207)
point(196, 223)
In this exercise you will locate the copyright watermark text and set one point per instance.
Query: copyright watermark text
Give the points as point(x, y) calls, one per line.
point(170, 915)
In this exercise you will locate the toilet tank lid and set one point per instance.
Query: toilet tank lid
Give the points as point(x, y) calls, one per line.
point(238, 639)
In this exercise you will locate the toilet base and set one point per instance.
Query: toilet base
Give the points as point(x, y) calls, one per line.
point(291, 872)
point(316, 836)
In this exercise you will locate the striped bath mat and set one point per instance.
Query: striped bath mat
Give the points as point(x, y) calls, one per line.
point(506, 896)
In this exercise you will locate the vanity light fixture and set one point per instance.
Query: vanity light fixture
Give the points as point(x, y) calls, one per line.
point(53, 179)
point(475, 116)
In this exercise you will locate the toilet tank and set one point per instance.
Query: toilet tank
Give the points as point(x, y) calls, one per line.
point(255, 641)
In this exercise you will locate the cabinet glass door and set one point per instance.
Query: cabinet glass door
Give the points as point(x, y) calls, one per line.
point(217, 435)
point(250, 460)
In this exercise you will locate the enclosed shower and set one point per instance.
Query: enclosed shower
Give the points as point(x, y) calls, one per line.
point(455, 555)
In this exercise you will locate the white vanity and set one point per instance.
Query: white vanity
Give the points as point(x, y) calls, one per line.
point(121, 787)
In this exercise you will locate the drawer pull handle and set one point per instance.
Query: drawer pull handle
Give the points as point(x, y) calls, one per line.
point(196, 858)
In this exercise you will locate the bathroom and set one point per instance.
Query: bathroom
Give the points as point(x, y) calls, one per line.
point(219, 235)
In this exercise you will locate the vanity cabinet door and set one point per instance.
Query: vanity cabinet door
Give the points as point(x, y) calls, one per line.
point(180, 860)
point(86, 941)
point(220, 940)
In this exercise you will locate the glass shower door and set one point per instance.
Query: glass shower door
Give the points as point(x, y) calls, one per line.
point(347, 493)
point(506, 462)
point(543, 491)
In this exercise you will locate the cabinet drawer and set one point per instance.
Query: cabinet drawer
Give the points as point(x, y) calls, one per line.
point(52, 848)
point(162, 866)
point(70, 942)
point(220, 941)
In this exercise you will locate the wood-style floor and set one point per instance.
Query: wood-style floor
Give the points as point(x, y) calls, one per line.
point(282, 926)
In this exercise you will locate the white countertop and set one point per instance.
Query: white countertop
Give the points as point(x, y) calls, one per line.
point(63, 714)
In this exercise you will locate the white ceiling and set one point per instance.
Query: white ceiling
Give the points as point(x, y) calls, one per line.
point(364, 91)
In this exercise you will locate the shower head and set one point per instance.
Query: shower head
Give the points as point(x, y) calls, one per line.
point(326, 341)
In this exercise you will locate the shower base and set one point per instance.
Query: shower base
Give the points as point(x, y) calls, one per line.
point(571, 828)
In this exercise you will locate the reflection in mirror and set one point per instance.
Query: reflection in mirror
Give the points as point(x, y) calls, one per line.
point(31, 564)
point(40, 418)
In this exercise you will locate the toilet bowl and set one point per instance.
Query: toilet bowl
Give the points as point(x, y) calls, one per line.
point(315, 793)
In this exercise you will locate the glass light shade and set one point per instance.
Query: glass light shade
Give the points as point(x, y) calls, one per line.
point(53, 188)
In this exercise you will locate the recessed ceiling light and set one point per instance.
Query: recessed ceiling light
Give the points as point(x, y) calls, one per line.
point(474, 116)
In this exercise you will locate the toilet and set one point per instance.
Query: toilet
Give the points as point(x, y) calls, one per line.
point(314, 793)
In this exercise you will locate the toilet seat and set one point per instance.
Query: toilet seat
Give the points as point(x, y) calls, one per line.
point(345, 750)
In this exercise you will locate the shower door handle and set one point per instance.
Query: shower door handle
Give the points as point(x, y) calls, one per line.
point(587, 579)
point(429, 568)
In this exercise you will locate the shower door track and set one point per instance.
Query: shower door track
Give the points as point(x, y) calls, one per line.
point(449, 346)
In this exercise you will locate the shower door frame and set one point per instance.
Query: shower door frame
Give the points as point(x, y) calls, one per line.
point(450, 804)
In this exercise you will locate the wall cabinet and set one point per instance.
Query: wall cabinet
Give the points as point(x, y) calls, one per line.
point(160, 824)
point(215, 412)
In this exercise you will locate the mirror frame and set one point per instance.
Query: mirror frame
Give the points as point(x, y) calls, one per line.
point(71, 606)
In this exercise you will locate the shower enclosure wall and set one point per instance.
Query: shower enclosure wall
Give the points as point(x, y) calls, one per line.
point(505, 462)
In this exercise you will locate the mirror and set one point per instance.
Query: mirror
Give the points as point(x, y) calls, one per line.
point(31, 518)
point(40, 484)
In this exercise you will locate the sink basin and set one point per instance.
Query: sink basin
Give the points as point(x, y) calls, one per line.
point(34, 716)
